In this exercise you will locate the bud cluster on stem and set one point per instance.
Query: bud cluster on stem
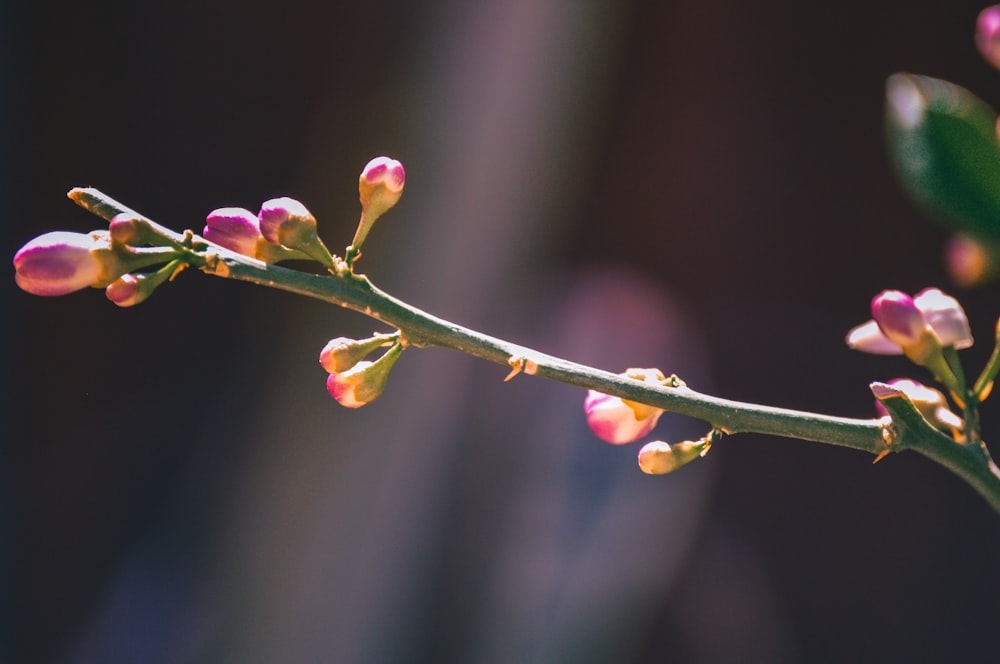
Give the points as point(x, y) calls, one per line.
point(61, 262)
point(354, 381)
point(619, 408)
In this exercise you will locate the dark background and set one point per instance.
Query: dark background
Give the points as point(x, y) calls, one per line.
point(697, 186)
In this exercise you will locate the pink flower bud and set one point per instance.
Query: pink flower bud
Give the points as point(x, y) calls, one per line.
point(131, 289)
point(58, 263)
point(124, 291)
point(125, 228)
point(284, 219)
point(899, 318)
point(381, 184)
point(941, 312)
point(379, 187)
point(615, 421)
point(988, 35)
point(234, 228)
point(659, 458)
point(364, 382)
point(342, 353)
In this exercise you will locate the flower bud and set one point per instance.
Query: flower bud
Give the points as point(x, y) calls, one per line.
point(615, 421)
point(287, 222)
point(125, 228)
point(941, 312)
point(342, 353)
point(988, 35)
point(234, 228)
point(659, 458)
point(131, 289)
point(58, 263)
point(364, 382)
point(283, 220)
point(380, 186)
point(899, 318)
point(124, 291)
point(931, 403)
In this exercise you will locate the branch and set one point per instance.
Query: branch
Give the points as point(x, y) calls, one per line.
point(353, 291)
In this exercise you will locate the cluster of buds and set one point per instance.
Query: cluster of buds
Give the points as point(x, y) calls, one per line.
point(62, 262)
point(283, 229)
point(928, 329)
point(919, 327)
point(353, 380)
point(619, 421)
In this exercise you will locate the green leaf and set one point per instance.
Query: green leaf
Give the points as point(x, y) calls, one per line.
point(943, 142)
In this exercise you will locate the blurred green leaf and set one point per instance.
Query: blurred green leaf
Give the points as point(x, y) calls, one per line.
point(943, 142)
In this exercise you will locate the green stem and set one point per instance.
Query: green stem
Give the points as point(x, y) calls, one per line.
point(353, 291)
point(989, 371)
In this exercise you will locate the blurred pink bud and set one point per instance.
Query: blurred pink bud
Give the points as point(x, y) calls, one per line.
point(234, 228)
point(931, 403)
point(659, 458)
point(60, 262)
point(364, 382)
point(988, 35)
point(969, 261)
point(615, 421)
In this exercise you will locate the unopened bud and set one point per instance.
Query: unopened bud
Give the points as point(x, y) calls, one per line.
point(131, 289)
point(364, 382)
point(124, 291)
point(899, 318)
point(60, 262)
point(379, 187)
point(613, 420)
point(342, 353)
point(126, 228)
point(659, 458)
point(287, 222)
point(234, 228)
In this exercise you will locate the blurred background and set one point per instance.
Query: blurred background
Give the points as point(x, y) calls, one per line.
point(700, 187)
